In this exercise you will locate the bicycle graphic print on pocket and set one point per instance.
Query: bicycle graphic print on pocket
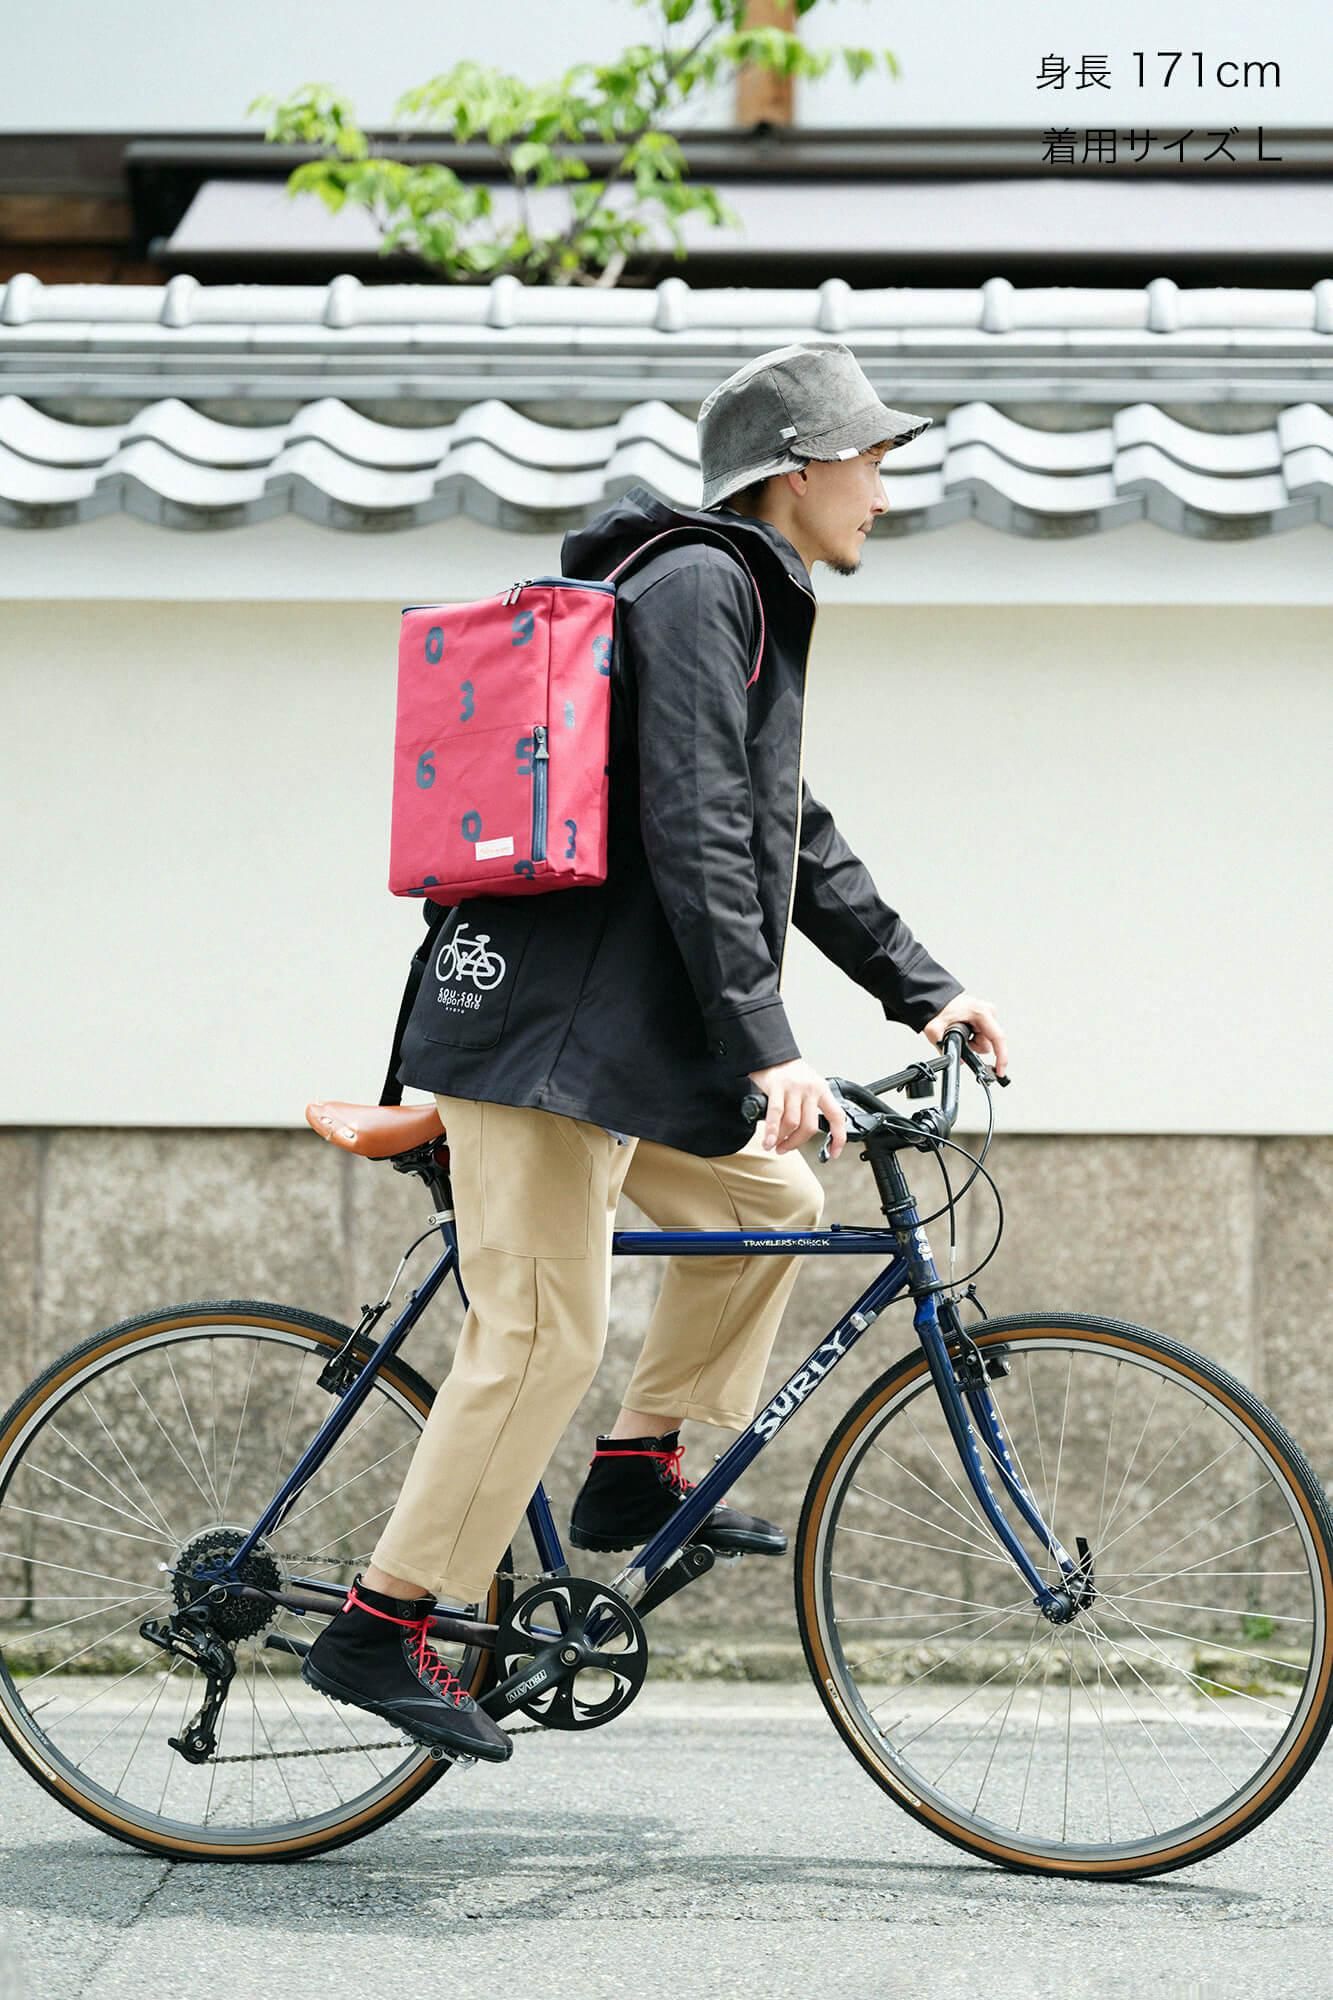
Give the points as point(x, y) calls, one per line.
point(466, 957)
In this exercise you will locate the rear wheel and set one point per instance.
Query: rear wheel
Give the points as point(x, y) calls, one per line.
point(154, 1446)
point(1178, 1709)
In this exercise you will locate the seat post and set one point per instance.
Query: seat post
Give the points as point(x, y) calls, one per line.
point(441, 1188)
point(427, 1165)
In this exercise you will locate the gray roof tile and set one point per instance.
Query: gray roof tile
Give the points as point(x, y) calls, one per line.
point(626, 358)
point(581, 344)
point(171, 464)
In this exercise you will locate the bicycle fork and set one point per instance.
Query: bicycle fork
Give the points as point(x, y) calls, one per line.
point(962, 1385)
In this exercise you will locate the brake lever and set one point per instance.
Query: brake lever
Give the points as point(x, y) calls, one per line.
point(982, 1070)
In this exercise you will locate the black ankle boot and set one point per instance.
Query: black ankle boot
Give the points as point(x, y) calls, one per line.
point(374, 1654)
point(634, 1486)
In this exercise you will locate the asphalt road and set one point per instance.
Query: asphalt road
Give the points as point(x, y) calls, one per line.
point(714, 1841)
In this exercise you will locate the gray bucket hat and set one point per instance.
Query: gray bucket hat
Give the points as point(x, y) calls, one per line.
point(810, 399)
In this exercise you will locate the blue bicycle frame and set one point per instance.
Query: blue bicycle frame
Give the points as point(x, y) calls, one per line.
point(972, 1418)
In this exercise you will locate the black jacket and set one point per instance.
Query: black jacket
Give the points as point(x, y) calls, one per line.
point(642, 1003)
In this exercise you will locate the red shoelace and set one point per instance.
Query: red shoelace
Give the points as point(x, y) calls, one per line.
point(423, 1655)
point(671, 1459)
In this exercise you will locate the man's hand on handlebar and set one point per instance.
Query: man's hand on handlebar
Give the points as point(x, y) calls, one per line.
point(979, 1015)
point(796, 1095)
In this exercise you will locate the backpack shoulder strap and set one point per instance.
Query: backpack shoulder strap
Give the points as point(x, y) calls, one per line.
point(695, 533)
point(392, 1093)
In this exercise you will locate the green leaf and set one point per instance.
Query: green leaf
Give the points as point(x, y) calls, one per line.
point(541, 131)
point(525, 159)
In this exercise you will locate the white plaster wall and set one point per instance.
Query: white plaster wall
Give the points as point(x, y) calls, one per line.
point(1110, 821)
point(159, 65)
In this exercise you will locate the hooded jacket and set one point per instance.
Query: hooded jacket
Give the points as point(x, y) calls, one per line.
point(643, 1002)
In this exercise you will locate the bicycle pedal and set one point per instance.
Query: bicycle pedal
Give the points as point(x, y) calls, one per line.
point(440, 1754)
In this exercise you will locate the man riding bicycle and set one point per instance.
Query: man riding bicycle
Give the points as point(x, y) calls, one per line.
point(611, 1053)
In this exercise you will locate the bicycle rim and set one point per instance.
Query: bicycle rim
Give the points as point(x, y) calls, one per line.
point(1178, 1709)
point(127, 1454)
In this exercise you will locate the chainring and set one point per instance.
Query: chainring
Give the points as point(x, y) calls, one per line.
point(617, 1661)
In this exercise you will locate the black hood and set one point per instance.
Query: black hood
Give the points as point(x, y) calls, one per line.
point(594, 549)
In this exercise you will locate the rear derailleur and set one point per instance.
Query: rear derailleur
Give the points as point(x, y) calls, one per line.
point(198, 1740)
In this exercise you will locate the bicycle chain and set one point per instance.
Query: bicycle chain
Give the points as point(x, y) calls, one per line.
point(396, 1743)
point(360, 1562)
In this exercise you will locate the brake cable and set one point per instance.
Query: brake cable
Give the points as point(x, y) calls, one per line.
point(936, 1143)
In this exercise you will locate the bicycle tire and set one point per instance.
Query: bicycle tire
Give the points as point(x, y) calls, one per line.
point(94, 1359)
point(834, 1479)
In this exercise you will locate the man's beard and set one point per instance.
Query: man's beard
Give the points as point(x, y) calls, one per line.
point(841, 568)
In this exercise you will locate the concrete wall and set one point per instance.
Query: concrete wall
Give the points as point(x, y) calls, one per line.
point(1109, 820)
point(1220, 1242)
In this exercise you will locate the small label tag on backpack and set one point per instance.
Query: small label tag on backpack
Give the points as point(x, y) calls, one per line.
point(485, 849)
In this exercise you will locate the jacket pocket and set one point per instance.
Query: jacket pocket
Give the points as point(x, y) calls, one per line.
point(470, 978)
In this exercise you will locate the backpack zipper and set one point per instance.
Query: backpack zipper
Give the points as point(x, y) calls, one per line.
point(540, 758)
point(515, 590)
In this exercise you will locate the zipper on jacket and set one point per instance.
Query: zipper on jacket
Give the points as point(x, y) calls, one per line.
point(800, 778)
point(540, 758)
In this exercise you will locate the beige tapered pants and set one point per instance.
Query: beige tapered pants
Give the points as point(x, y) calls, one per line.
point(535, 1197)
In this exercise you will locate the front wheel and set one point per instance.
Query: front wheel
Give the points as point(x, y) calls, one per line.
point(136, 1460)
point(1181, 1705)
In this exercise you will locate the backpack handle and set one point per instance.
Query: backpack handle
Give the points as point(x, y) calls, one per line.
point(702, 534)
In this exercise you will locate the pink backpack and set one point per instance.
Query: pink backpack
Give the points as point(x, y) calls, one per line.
point(500, 777)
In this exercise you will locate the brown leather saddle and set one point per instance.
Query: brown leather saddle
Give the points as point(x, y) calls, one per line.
point(376, 1131)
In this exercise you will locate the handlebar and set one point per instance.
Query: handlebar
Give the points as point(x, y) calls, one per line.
point(917, 1080)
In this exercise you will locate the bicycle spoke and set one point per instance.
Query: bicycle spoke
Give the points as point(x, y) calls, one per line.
point(91, 1402)
point(290, 1521)
point(970, 1520)
point(1184, 1485)
point(936, 1527)
point(64, 1521)
point(240, 1427)
point(1166, 1576)
point(1191, 1638)
point(220, 1505)
point(127, 1512)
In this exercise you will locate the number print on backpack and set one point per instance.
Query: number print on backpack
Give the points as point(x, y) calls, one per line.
point(425, 770)
point(469, 705)
point(573, 826)
point(569, 715)
point(601, 652)
point(435, 643)
point(523, 750)
point(522, 628)
point(471, 826)
point(524, 868)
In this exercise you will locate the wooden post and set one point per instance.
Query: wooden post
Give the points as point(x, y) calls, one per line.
point(761, 94)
